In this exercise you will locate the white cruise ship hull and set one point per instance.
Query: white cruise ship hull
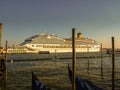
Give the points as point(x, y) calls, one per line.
point(62, 50)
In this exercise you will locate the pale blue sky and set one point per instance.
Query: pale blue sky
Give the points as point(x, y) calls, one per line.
point(95, 19)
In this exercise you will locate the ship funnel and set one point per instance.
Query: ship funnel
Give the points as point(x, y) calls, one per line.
point(0, 33)
point(79, 36)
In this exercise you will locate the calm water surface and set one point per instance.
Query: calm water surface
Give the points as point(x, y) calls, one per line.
point(52, 70)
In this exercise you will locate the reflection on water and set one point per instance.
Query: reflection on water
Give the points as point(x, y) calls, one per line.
point(54, 73)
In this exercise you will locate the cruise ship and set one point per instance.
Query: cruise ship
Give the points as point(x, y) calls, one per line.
point(50, 43)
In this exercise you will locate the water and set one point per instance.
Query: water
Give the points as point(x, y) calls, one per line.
point(52, 70)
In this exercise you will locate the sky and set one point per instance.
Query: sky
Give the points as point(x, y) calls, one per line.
point(95, 19)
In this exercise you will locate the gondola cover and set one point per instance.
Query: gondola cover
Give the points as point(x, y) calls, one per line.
point(83, 84)
point(36, 84)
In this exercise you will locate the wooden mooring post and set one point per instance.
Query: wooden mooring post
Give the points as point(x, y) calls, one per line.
point(55, 54)
point(88, 60)
point(101, 62)
point(74, 60)
point(113, 64)
point(6, 62)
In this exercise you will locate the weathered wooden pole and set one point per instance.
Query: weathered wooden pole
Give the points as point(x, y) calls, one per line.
point(0, 33)
point(6, 61)
point(55, 54)
point(113, 64)
point(74, 60)
point(88, 58)
point(101, 62)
